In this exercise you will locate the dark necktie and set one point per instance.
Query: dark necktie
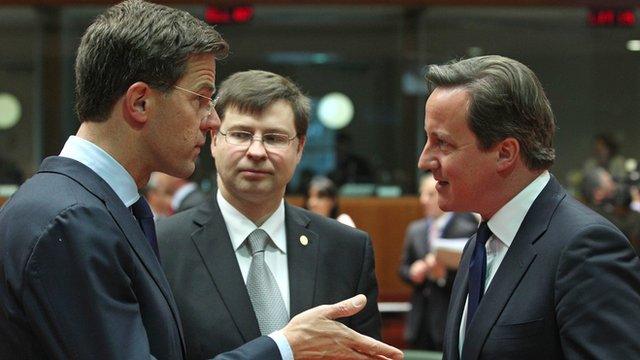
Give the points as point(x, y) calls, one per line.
point(143, 214)
point(477, 270)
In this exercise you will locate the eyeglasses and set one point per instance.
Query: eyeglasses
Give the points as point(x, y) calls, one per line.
point(211, 103)
point(273, 141)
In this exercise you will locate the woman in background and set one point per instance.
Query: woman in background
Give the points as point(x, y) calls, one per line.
point(322, 198)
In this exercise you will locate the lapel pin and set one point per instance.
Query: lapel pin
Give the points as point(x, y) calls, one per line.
point(304, 240)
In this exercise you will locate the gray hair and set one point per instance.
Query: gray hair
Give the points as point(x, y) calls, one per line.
point(506, 100)
point(137, 41)
point(254, 90)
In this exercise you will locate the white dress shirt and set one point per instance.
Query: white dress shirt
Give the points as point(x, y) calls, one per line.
point(504, 225)
point(104, 165)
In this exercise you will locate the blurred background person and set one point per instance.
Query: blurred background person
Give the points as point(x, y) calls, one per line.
point(431, 281)
point(10, 173)
point(322, 198)
point(613, 201)
point(606, 156)
point(184, 194)
point(350, 167)
point(158, 196)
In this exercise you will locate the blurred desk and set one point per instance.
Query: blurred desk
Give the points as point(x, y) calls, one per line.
point(2, 200)
point(393, 315)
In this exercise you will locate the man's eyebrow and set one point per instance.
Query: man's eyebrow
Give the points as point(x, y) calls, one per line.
point(206, 86)
point(443, 136)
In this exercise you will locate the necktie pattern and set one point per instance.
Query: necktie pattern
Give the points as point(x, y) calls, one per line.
point(262, 287)
point(143, 214)
point(478, 270)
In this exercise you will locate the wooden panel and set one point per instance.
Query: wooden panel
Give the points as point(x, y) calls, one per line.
point(2, 200)
point(386, 221)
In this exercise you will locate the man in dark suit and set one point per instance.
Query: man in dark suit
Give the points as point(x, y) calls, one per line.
point(544, 277)
point(79, 273)
point(430, 278)
point(206, 251)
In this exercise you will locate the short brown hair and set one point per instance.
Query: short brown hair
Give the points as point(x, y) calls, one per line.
point(506, 100)
point(254, 90)
point(137, 41)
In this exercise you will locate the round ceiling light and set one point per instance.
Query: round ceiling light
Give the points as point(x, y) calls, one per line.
point(335, 110)
point(10, 111)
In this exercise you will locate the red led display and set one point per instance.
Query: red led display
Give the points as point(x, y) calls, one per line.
point(228, 15)
point(606, 17)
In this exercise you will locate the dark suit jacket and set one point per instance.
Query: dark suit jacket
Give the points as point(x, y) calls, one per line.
point(78, 280)
point(429, 301)
point(217, 314)
point(568, 288)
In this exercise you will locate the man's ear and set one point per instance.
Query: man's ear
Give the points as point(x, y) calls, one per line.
point(137, 101)
point(508, 153)
point(302, 139)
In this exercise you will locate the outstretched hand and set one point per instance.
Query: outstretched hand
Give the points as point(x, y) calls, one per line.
point(314, 334)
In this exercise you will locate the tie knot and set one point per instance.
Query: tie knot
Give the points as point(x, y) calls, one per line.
point(141, 209)
point(257, 241)
point(484, 233)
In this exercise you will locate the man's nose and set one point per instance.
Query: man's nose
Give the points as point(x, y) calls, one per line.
point(211, 122)
point(257, 148)
point(427, 161)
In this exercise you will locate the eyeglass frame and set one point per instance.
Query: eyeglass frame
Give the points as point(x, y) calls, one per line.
point(212, 101)
point(260, 139)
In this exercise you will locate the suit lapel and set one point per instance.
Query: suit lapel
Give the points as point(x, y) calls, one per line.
point(123, 218)
point(218, 256)
point(519, 257)
point(302, 259)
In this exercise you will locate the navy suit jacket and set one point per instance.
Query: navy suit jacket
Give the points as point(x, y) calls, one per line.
point(568, 288)
point(78, 278)
point(217, 314)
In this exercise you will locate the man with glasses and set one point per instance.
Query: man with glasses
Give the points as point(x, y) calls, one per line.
point(79, 270)
point(214, 254)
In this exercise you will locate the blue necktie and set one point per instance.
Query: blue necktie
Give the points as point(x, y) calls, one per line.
point(477, 270)
point(143, 214)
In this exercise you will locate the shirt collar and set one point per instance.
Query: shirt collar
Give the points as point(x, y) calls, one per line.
point(505, 223)
point(239, 226)
point(104, 165)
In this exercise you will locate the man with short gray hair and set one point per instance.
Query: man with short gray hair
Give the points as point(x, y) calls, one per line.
point(79, 270)
point(544, 277)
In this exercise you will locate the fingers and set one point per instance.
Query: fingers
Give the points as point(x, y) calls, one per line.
point(376, 349)
point(345, 308)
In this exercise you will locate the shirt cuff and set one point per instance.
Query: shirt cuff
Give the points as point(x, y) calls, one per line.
point(283, 345)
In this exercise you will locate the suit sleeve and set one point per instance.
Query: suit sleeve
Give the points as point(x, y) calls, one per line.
point(263, 348)
point(598, 296)
point(368, 321)
point(408, 257)
point(77, 290)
